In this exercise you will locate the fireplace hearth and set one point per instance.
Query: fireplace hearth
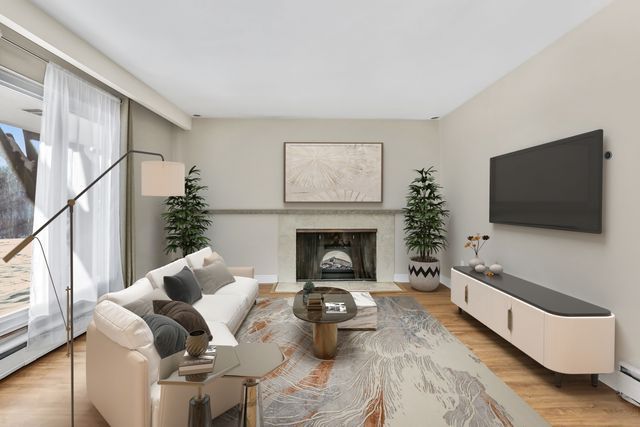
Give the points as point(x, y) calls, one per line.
point(335, 255)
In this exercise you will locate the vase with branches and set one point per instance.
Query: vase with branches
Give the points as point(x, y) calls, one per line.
point(476, 242)
point(187, 219)
point(425, 229)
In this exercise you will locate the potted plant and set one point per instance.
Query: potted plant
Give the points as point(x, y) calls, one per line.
point(187, 218)
point(424, 227)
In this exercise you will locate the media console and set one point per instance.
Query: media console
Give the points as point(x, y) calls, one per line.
point(562, 333)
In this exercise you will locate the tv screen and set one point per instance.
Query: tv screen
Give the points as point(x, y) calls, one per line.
point(555, 185)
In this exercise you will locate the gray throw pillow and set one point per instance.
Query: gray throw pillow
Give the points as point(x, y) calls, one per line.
point(213, 277)
point(168, 335)
point(183, 286)
point(144, 306)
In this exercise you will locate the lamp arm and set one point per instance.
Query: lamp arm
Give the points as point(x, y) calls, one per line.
point(15, 251)
point(125, 155)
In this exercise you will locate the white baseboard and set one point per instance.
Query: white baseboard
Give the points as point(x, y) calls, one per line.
point(266, 278)
point(401, 278)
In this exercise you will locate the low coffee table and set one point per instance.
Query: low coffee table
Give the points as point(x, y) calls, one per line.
point(325, 325)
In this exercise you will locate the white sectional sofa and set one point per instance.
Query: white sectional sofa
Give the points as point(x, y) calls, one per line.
point(123, 364)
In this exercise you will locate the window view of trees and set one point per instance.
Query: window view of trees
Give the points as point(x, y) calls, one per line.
point(18, 169)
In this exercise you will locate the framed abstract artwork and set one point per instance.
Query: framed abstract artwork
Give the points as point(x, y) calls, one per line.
point(332, 172)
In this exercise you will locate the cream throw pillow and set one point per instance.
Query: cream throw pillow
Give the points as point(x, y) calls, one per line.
point(214, 275)
point(211, 258)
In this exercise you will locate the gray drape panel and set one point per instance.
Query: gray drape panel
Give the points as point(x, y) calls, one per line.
point(129, 221)
point(307, 257)
point(363, 255)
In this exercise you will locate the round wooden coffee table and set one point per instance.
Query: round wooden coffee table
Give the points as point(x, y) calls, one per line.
point(325, 325)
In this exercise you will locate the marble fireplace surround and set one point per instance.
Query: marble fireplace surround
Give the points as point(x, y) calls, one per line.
point(381, 221)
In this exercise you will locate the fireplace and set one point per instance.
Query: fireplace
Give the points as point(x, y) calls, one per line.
point(335, 254)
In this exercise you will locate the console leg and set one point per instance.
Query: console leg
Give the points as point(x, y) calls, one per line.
point(594, 380)
point(558, 379)
point(459, 310)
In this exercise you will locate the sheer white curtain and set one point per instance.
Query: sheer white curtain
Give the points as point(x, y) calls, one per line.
point(80, 139)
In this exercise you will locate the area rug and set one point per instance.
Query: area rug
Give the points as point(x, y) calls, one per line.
point(355, 286)
point(411, 371)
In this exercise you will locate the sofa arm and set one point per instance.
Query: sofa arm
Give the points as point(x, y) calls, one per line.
point(242, 271)
point(117, 381)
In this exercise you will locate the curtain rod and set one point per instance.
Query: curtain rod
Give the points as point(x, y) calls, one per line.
point(2, 37)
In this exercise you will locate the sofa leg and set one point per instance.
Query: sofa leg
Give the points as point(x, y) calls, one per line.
point(594, 380)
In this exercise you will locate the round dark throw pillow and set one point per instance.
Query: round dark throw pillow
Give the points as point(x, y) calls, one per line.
point(182, 313)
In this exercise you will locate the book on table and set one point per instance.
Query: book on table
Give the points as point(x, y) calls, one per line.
point(202, 364)
point(335, 307)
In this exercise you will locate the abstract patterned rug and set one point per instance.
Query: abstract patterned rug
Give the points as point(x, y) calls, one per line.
point(410, 372)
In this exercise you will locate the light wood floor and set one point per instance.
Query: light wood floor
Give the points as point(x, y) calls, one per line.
point(38, 394)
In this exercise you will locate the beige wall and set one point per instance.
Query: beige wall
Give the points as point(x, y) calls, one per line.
point(242, 163)
point(589, 79)
point(153, 133)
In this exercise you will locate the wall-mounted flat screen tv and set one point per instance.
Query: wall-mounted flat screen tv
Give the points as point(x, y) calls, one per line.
point(554, 185)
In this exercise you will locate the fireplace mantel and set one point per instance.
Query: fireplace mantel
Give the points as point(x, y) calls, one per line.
point(292, 211)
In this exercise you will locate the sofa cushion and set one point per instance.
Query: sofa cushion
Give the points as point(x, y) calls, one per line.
point(196, 259)
point(183, 286)
point(144, 305)
point(221, 334)
point(182, 313)
point(244, 287)
point(132, 293)
point(156, 277)
point(169, 336)
point(211, 258)
point(227, 309)
point(213, 277)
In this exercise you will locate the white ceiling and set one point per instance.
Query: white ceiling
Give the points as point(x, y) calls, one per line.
point(409, 59)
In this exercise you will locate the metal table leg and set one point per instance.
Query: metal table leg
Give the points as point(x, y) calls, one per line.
point(200, 410)
point(251, 409)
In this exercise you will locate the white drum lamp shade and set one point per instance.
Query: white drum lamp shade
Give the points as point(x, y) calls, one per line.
point(160, 178)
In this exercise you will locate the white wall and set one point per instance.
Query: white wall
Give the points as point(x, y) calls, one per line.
point(242, 163)
point(587, 80)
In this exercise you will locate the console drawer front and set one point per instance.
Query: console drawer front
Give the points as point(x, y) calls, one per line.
point(527, 329)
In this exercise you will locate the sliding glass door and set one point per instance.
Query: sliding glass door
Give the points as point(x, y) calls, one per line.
point(20, 121)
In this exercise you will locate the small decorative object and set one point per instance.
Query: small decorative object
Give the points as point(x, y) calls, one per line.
point(476, 243)
point(425, 229)
point(496, 268)
point(480, 268)
point(197, 343)
point(490, 274)
point(308, 287)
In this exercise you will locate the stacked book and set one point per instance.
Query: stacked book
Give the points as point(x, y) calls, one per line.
point(314, 302)
point(202, 364)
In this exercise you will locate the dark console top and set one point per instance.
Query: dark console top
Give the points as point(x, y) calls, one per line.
point(538, 296)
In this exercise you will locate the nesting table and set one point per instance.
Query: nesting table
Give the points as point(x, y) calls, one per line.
point(251, 361)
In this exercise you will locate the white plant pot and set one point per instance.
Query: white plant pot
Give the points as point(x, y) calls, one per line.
point(424, 276)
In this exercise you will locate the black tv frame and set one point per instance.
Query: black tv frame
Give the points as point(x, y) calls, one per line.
point(599, 134)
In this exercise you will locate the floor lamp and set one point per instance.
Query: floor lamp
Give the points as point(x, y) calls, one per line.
point(158, 178)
